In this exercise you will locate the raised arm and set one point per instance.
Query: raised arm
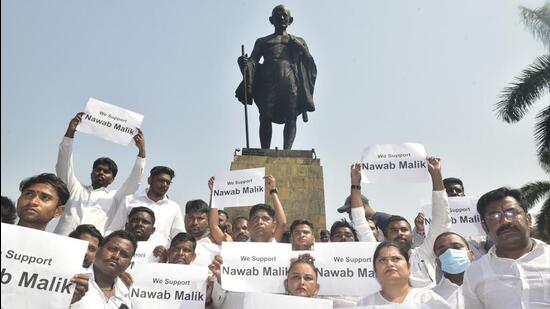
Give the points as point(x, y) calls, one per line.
point(213, 220)
point(131, 184)
point(280, 216)
point(441, 215)
point(64, 166)
point(364, 233)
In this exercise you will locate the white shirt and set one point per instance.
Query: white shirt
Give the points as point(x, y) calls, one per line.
point(362, 227)
point(416, 298)
point(86, 205)
point(95, 299)
point(450, 292)
point(168, 218)
point(422, 258)
point(495, 282)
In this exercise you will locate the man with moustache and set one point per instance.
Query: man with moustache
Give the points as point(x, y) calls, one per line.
point(240, 232)
point(141, 223)
point(182, 249)
point(112, 259)
point(168, 217)
point(515, 273)
point(94, 204)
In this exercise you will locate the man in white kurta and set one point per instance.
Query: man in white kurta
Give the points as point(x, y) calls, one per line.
point(93, 204)
point(515, 273)
point(168, 218)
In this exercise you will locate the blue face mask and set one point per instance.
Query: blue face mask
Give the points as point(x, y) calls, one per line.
point(454, 261)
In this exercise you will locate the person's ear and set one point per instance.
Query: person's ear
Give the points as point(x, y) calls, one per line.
point(285, 283)
point(59, 211)
point(290, 20)
point(271, 19)
point(471, 255)
point(149, 180)
point(154, 229)
point(438, 262)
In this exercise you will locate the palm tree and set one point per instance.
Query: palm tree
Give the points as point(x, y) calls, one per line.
point(518, 98)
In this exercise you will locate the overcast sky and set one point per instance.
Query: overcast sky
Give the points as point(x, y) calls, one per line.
point(398, 71)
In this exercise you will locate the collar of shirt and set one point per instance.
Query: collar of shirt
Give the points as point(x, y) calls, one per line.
point(143, 195)
point(90, 188)
point(538, 246)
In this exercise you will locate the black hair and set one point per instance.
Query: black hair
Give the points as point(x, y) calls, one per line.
point(390, 243)
point(239, 218)
point(300, 222)
point(157, 170)
point(109, 162)
point(452, 180)
point(392, 219)
point(182, 237)
point(451, 233)
point(51, 179)
point(305, 258)
point(286, 237)
point(343, 223)
point(9, 213)
point(270, 211)
point(497, 195)
point(86, 229)
point(324, 232)
point(221, 211)
point(196, 205)
point(135, 210)
point(120, 234)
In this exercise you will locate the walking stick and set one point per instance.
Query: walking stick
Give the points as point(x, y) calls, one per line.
point(245, 82)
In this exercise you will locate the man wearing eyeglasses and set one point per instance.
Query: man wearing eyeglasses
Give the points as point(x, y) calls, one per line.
point(515, 273)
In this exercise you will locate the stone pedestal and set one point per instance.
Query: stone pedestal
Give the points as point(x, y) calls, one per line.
point(299, 177)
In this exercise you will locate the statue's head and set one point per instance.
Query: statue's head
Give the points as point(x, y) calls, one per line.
point(280, 17)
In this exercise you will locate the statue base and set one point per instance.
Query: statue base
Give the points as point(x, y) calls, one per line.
point(299, 176)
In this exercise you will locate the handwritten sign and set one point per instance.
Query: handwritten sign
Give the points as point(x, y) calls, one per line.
point(391, 163)
point(239, 188)
point(37, 267)
point(168, 286)
point(346, 268)
point(255, 267)
point(464, 217)
point(110, 122)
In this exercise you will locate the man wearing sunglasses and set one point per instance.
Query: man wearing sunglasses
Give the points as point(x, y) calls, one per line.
point(515, 273)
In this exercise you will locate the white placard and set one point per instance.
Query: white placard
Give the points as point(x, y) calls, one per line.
point(255, 266)
point(144, 253)
point(110, 122)
point(465, 220)
point(206, 251)
point(275, 301)
point(37, 267)
point(392, 163)
point(168, 286)
point(346, 268)
point(239, 188)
